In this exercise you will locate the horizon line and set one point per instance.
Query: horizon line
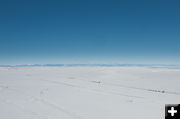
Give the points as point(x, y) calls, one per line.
point(90, 64)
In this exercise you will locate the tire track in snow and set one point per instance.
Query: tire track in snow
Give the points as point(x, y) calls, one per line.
point(144, 89)
point(131, 87)
point(45, 102)
point(24, 109)
point(97, 90)
point(73, 115)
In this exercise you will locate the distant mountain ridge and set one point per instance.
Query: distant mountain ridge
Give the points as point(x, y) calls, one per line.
point(93, 65)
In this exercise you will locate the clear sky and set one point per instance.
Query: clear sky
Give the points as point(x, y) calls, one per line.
point(89, 31)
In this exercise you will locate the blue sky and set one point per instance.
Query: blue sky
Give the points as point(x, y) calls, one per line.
point(90, 31)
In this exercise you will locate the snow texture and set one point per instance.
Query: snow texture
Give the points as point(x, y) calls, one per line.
point(87, 92)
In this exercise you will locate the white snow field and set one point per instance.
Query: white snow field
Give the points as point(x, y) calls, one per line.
point(87, 92)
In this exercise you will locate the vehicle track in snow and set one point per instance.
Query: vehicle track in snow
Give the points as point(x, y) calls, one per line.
point(132, 87)
point(93, 89)
point(41, 100)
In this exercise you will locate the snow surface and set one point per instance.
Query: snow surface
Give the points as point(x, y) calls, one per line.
point(87, 92)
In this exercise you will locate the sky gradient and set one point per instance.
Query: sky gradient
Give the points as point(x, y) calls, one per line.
point(90, 31)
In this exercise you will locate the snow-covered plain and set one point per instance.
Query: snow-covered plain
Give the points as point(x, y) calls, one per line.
point(87, 92)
